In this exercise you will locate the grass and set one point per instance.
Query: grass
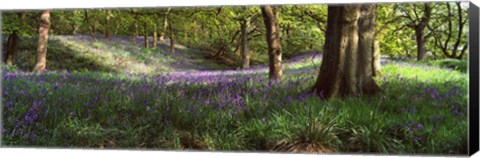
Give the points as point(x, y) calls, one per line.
point(422, 110)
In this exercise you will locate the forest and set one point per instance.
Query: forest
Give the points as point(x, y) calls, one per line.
point(386, 78)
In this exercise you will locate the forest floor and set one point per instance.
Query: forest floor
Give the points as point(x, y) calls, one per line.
point(116, 94)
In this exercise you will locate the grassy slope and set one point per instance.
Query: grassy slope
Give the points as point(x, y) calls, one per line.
point(422, 110)
point(116, 54)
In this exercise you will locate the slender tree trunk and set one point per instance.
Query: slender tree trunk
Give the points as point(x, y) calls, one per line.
point(117, 27)
point(146, 35)
point(90, 26)
point(107, 24)
point(165, 23)
point(12, 45)
point(42, 42)
point(154, 35)
point(270, 18)
point(376, 64)
point(172, 38)
point(95, 20)
point(346, 68)
point(244, 48)
point(135, 32)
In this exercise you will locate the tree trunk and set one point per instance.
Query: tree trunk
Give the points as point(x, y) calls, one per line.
point(346, 68)
point(376, 64)
point(95, 20)
point(90, 26)
point(42, 42)
point(270, 18)
point(421, 48)
point(107, 24)
point(172, 38)
point(145, 36)
point(135, 32)
point(244, 48)
point(165, 23)
point(155, 35)
point(12, 45)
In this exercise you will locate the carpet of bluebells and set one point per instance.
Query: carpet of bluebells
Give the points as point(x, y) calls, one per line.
point(422, 109)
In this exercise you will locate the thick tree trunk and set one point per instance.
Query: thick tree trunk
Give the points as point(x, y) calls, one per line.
point(421, 48)
point(172, 38)
point(376, 64)
point(145, 35)
point(41, 59)
point(12, 45)
point(346, 68)
point(155, 35)
point(244, 47)
point(270, 18)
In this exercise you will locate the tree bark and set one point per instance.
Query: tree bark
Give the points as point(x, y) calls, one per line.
point(270, 18)
point(421, 47)
point(376, 64)
point(44, 27)
point(145, 36)
point(244, 48)
point(107, 24)
point(12, 45)
point(165, 23)
point(135, 29)
point(90, 26)
point(346, 68)
point(172, 38)
point(154, 35)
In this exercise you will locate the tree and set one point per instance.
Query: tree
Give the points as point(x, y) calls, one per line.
point(448, 32)
point(417, 22)
point(91, 27)
point(164, 27)
point(244, 47)
point(44, 26)
point(145, 35)
point(270, 18)
point(346, 68)
point(12, 45)
point(172, 38)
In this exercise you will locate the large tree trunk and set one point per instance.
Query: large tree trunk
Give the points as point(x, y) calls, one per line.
point(172, 38)
point(145, 36)
point(376, 63)
point(42, 41)
point(421, 47)
point(244, 47)
point(346, 68)
point(270, 17)
point(12, 45)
